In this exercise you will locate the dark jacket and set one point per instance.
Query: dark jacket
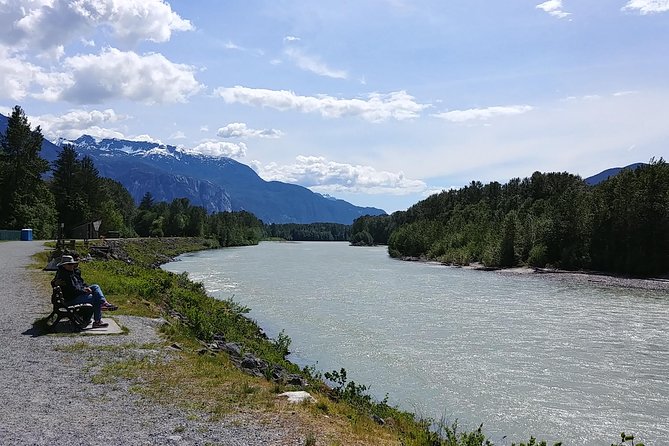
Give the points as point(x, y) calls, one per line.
point(70, 282)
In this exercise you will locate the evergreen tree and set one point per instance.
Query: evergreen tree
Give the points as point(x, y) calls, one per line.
point(90, 184)
point(122, 202)
point(25, 201)
point(71, 200)
point(147, 202)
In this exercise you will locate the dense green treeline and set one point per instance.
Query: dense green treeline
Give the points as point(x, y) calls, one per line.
point(327, 232)
point(76, 194)
point(368, 230)
point(549, 219)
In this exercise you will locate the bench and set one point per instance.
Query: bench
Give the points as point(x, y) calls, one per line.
point(79, 315)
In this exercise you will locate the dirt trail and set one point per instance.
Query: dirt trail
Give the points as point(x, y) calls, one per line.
point(47, 396)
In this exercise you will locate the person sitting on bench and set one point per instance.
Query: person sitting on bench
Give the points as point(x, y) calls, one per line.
point(76, 291)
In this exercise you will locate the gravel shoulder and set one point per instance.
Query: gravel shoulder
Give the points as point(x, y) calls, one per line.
point(48, 397)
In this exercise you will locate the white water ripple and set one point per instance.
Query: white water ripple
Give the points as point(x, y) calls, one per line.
point(522, 354)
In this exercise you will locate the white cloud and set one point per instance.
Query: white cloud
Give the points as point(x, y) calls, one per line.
point(377, 107)
point(178, 135)
point(314, 64)
point(438, 190)
point(75, 123)
point(217, 149)
point(240, 130)
point(624, 93)
point(483, 113)
point(232, 46)
point(291, 39)
point(554, 8)
point(145, 138)
point(113, 74)
point(647, 6)
point(16, 77)
point(321, 175)
point(47, 24)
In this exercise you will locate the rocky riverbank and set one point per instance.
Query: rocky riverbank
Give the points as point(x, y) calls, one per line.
point(575, 277)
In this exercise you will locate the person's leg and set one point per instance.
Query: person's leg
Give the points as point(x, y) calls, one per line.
point(89, 299)
point(93, 299)
point(106, 305)
point(95, 288)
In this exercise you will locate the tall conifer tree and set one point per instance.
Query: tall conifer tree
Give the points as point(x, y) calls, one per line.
point(25, 201)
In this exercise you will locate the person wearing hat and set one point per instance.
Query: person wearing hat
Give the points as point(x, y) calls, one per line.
point(76, 291)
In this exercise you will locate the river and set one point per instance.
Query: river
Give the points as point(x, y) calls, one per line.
point(520, 353)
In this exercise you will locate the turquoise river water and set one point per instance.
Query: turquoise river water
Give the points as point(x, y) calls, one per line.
point(521, 353)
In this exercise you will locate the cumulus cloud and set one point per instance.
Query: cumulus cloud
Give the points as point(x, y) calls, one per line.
point(240, 130)
point(376, 108)
point(112, 74)
point(217, 149)
point(47, 24)
point(483, 113)
point(16, 77)
point(146, 138)
point(647, 6)
point(322, 175)
point(313, 64)
point(75, 123)
point(554, 8)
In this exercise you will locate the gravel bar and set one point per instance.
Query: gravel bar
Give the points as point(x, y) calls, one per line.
point(47, 396)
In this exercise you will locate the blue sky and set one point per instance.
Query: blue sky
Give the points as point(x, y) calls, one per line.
point(378, 102)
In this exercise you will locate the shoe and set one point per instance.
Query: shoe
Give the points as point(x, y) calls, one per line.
point(108, 307)
point(100, 324)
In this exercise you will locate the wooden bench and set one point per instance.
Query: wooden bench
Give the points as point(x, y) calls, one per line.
point(79, 315)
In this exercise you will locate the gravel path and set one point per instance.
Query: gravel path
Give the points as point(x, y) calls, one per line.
point(47, 396)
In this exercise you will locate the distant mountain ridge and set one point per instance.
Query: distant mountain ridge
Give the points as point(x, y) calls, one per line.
point(217, 184)
point(608, 173)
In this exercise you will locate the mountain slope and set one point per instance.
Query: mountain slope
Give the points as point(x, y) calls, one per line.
point(218, 184)
point(608, 173)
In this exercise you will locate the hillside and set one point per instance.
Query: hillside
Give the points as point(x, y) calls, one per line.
point(217, 184)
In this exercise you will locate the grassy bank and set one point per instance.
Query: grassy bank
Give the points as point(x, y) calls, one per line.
point(210, 380)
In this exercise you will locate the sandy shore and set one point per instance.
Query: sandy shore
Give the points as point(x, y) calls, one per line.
point(586, 277)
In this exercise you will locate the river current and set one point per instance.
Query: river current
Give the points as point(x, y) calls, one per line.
point(520, 353)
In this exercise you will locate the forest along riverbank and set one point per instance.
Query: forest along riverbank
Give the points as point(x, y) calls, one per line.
point(523, 353)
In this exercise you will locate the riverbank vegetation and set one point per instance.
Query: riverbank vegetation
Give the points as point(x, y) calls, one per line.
point(554, 220)
point(313, 232)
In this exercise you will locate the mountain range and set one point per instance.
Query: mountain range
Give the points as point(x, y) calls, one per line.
point(215, 183)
